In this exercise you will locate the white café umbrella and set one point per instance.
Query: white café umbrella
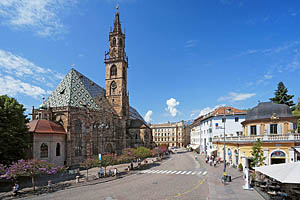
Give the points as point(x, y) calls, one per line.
point(284, 173)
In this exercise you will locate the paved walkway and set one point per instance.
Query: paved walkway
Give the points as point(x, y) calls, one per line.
point(230, 191)
point(93, 179)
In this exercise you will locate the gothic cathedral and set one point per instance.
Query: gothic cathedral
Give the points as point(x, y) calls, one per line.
point(80, 119)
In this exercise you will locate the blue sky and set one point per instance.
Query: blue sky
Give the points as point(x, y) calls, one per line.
point(185, 57)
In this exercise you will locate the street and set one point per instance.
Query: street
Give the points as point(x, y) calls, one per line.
point(179, 177)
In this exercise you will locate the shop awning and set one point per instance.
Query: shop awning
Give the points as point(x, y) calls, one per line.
point(194, 146)
point(284, 173)
point(297, 149)
point(209, 151)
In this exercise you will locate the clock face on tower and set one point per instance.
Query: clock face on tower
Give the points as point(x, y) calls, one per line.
point(113, 85)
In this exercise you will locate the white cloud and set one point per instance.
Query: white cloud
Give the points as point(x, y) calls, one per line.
point(207, 110)
point(21, 67)
point(13, 87)
point(236, 96)
point(40, 16)
point(148, 115)
point(190, 43)
point(172, 103)
point(268, 76)
point(271, 51)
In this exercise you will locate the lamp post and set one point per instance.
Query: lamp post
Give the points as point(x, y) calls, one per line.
point(224, 150)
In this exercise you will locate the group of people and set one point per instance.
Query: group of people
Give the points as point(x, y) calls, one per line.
point(115, 172)
point(212, 160)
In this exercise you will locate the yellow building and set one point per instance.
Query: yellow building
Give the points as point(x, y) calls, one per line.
point(175, 134)
point(274, 125)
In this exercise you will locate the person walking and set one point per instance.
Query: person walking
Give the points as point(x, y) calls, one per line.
point(15, 189)
point(116, 172)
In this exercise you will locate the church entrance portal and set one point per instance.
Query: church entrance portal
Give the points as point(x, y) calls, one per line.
point(108, 148)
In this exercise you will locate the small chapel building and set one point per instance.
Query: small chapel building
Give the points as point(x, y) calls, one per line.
point(91, 119)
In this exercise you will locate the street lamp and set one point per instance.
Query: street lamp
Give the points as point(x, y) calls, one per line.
point(224, 150)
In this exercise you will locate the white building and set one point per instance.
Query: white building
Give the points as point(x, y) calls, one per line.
point(211, 125)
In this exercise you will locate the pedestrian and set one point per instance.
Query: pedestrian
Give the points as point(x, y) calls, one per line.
point(131, 165)
point(49, 186)
point(15, 189)
point(101, 172)
point(116, 172)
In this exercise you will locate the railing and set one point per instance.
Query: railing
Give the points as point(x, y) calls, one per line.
point(283, 137)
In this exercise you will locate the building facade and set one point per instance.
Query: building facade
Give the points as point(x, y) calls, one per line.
point(175, 134)
point(276, 128)
point(211, 125)
point(97, 120)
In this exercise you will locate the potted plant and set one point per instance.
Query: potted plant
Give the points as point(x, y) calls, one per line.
point(240, 167)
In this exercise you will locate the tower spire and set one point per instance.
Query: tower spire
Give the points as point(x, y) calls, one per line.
point(117, 24)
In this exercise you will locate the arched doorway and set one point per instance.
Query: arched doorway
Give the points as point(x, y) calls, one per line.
point(278, 157)
point(108, 148)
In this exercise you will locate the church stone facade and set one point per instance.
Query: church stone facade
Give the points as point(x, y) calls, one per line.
point(96, 120)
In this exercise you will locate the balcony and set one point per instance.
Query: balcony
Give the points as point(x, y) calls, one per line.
point(263, 138)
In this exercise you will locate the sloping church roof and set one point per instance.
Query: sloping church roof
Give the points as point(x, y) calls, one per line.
point(75, 90)
point(45, 126)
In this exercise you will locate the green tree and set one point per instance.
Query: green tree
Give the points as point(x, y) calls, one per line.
point(88, 164)
point(143, 152)
point(107, 160)
point(296, 112)
point(257, 155)
point(281, 96)
point(15, 139)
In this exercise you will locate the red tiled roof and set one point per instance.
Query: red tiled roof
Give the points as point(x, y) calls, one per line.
point(45, 126)
point(219, 112)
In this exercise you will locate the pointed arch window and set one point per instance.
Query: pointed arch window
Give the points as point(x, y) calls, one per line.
point(120, 42)
point(44, 150)
point(78, 138)
point(95, 139)
point(57, 149)
point(113, 70)
point(114, 42)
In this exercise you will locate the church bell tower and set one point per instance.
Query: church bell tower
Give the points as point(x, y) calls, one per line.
point(116, 64)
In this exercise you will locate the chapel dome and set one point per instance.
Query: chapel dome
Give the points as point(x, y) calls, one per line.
point(267, 110)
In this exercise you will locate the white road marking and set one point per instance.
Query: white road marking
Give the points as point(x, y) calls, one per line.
point(168, 172)
point(155, 171)
point(164, 171)
point(183, 172)
point(178, 172)
point(188, 172)
point(199, 173)
point(204, 172)
point(194, 173)
point(158, 172)
point(173, 172)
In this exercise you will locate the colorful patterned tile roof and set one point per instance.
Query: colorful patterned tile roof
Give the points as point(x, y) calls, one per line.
point(75, 90)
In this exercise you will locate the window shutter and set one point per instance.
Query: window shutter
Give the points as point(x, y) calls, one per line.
point(249, 131)
point(279, 128)
point(291, 126)
point(258, 129)
point(268, 129)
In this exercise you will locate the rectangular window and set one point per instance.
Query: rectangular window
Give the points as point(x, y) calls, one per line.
point(236, 119)
point(223, 120)
point(273, 129)
point(252, 130)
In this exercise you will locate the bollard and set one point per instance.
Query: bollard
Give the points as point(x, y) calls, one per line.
point(77, 179)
